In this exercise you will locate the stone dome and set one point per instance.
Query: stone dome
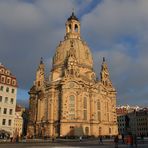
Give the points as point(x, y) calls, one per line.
point(73, 44)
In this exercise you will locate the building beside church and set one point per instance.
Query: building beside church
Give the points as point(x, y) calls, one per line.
point(138, 120)
point(72, 101)
point(8, 92)
point(18, 121)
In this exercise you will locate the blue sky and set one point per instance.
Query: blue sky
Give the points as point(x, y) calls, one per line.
point(116, 29)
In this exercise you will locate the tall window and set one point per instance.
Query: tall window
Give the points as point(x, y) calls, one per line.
point(100, 130)
point(110, 130)
point(7, 89)
point(98, 110)
point(0, 98)
point(85, 108)
point(11, 101)
point(13, 82)
point(6, 99)
point(107, 110)
point(5, 111)
point(10, 111)
point(72, 107)
point(76, 28)
point(69, 27)
point(8, 80)
point(12, 90)
point(86, 130)
point(4, 122)
point(3, 79)
point(9, 122)
point(39, 83)
point(1, 88)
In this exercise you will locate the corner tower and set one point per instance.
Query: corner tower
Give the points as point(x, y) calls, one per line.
point(40, 75)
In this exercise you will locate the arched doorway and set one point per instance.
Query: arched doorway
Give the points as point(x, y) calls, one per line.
point(86, 131)
point(100, 131)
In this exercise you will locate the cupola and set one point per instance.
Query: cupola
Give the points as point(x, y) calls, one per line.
point(73, 27)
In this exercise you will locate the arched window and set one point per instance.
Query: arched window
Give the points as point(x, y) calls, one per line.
point(107, 111)
point(85, 108)
point(98, 110)
point(110, 130)
point(39, 83)
point(76, 28)
point(85, 103)
point(71, 106)
point(100, 130)
point(69, 27)
point(86, 131)
point(98, 105)
point(2, 71)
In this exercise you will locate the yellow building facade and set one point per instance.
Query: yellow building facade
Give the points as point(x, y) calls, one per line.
point(18, 121)
point(18, 125)
point(72, 102)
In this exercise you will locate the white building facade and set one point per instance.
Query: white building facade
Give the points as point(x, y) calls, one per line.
point(8, 92)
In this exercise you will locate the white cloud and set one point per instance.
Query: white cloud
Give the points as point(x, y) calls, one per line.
point(29, 31)
point(105, 28)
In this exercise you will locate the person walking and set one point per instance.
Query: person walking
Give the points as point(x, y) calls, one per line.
point(130, 141)
point(135, 140)
point(116, 141)
point(123, 142)
point(80, 138)
point(100, 140)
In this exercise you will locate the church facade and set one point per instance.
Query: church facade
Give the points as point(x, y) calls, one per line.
point(72, 101)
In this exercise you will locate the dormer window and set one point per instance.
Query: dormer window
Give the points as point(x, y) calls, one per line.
point(7, 72)
point(2, 71)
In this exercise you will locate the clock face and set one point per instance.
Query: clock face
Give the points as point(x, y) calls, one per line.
point(71, 85)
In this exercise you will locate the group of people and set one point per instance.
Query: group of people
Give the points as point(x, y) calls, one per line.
point(130, 140)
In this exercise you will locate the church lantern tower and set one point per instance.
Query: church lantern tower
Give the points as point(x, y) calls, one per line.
point(72, 27)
